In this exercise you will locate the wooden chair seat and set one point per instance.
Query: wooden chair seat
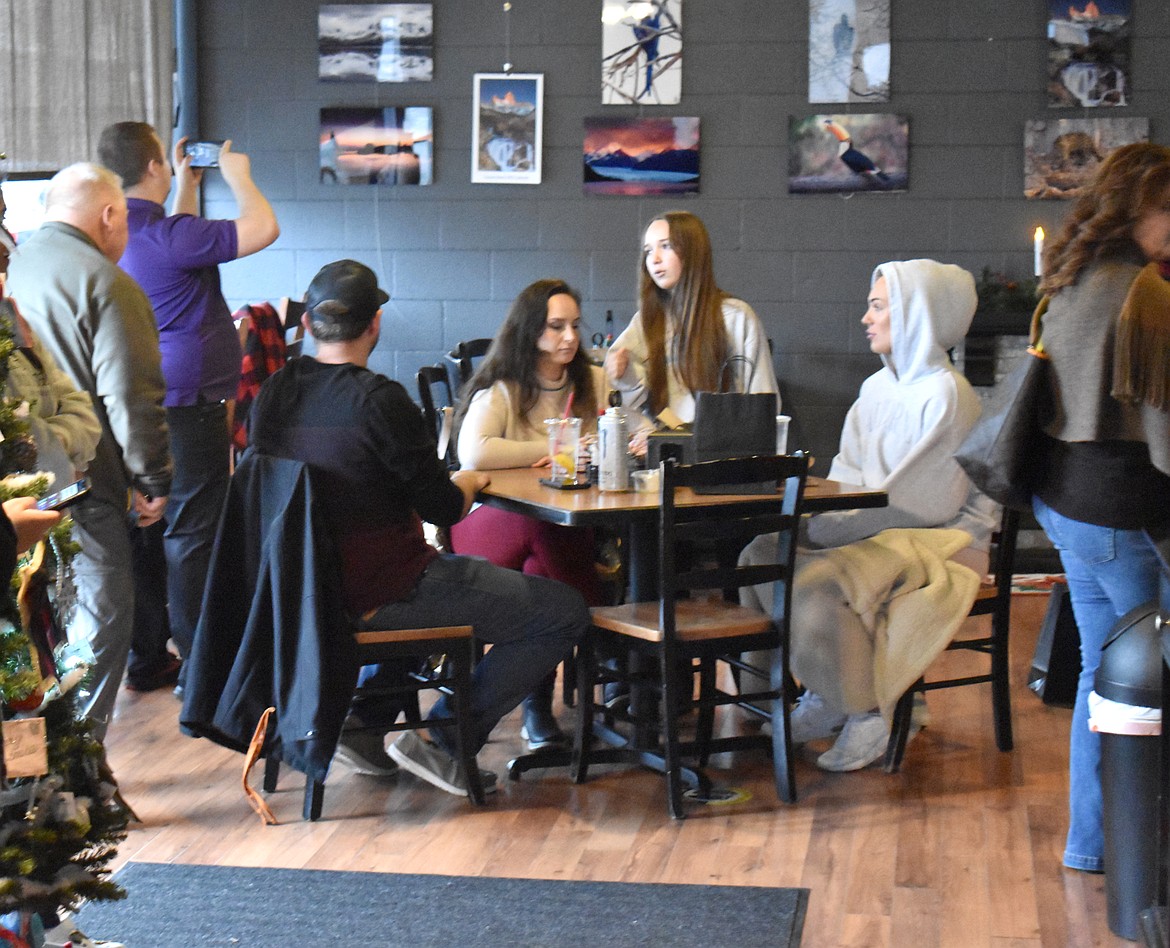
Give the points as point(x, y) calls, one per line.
point(371, 637)
point(704, 619)
point(653, 647)
point(993, 599)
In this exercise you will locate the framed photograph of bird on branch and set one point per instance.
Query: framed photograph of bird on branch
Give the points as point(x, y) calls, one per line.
point(847, 153)
point(641, 59)
point(849, 50)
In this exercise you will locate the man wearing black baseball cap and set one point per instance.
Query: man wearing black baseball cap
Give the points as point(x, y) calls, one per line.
point(373, 450)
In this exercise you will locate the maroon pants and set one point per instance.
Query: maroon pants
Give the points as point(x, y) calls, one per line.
point(531, 546)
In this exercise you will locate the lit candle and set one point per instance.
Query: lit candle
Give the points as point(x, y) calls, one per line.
point(1038, 251)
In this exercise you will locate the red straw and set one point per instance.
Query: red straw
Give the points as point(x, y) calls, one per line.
point(569, 404)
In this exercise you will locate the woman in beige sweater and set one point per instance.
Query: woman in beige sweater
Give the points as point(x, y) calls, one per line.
point(533, 368)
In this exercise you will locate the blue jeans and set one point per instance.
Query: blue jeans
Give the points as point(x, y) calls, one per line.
point(1109, 572)
point(530, 622)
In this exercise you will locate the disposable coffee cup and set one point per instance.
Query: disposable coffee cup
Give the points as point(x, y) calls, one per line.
point(782, 422)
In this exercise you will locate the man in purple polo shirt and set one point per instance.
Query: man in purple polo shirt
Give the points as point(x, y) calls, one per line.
point(175, 259)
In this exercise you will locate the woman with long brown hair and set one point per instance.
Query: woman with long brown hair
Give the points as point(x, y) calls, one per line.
point(535, 369)
point(1105, 491)
point(688, 335)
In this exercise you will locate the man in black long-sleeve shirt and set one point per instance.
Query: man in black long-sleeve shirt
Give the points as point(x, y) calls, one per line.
point(371, 447)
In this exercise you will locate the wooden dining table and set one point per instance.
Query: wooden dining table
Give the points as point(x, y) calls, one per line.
point(635, 514)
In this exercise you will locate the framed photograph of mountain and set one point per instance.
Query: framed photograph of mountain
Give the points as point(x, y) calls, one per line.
point(641, 155)
point(377, 146)
point(1088, 53)
point(835, 153)
point(849, 50)
point(507, 128)
point(375, 42)
point(1062, 155)
point(641, 52)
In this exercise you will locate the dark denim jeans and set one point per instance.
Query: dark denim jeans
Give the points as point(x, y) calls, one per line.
point(1109, 572)
point(530, 623)
point(199, 444)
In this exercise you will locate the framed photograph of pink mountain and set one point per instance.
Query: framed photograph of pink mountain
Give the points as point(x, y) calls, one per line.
point(507, 128)
point(846, 153)
point(641, 155)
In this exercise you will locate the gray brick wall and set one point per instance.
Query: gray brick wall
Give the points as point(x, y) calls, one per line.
point(969, 74)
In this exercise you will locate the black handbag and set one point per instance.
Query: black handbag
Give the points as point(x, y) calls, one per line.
point(1004, 453)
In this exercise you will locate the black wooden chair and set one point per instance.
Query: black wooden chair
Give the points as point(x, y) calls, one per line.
point(684, 626)
point(464, 356)
point(450, 675)
point(437, 400)
point(993, 599)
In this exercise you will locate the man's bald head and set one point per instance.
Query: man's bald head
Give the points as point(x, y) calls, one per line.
point(90, 198)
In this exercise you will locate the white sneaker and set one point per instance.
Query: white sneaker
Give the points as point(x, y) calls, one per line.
point(813, 720)
point(863, 740)
point(66, 935)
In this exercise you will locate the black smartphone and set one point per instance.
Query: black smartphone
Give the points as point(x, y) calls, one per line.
point(65, 497)
point(203, 154)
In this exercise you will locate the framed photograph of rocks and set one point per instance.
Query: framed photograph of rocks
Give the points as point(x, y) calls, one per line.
point(375, 42)
point(847, 153)
point(507, 128)
point(641, 156)
point(641, 52)
point(1061, 155)
point(1088, 53)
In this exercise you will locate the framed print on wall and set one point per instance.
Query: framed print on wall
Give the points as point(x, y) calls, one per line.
point(377, 146)
point(641, 52)
point(1062, 155)
point(849, 51)
point(641, 156)
point(844, 153)
point(1088, 53)
point(507, 128)
point(375, 42)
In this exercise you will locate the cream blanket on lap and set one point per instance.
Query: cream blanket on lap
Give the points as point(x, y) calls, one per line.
point(868, 618)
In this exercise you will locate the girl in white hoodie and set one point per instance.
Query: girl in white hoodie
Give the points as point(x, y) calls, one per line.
point(853, 648)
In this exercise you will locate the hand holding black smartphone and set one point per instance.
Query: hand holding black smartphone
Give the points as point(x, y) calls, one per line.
point(203, 154)
point(65, 497)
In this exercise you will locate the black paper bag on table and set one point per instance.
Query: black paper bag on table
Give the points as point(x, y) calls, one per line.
point(734, 425)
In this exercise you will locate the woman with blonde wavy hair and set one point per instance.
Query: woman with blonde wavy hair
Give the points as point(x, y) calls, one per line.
point(688, 335)
point(1105, 493)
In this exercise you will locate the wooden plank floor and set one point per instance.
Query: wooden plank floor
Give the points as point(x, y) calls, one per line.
point(962, 848)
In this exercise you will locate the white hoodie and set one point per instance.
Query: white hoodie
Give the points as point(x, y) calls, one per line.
point(911, 416)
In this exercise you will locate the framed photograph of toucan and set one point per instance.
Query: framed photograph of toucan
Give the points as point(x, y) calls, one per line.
point(830, 154)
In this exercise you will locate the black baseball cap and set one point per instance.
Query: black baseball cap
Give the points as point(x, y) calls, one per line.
point(353, 289)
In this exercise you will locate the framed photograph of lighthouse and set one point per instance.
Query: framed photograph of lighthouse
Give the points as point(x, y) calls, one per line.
point(849, 50)
point(830, 154)
point(507, 128)
point(641, 52)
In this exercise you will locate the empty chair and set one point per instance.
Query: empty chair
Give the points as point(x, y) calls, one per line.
point(464, 355)
point(993, 599)
point(438, 405)
point(693, 619)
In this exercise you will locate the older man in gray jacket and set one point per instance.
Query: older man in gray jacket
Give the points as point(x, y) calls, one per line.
point(99, 326)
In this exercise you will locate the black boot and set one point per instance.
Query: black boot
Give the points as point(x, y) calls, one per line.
point(540, 726)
